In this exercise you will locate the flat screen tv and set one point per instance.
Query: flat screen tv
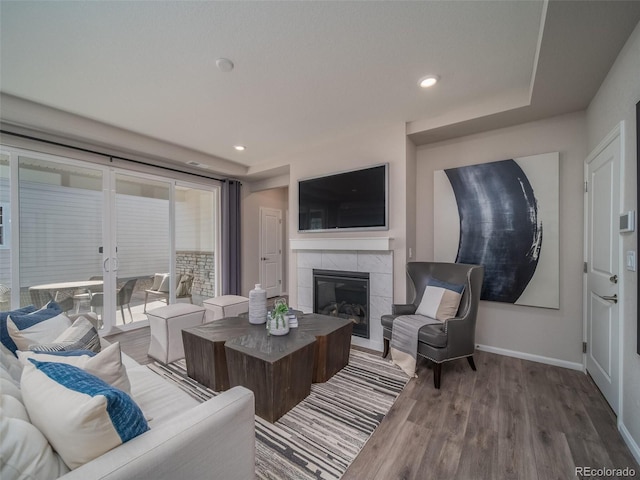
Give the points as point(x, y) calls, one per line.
point(353, 200)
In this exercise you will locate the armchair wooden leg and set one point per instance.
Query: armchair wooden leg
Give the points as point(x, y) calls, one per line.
point(146, 297)
point(385, 352)
point(437, 374)
point(472, 364)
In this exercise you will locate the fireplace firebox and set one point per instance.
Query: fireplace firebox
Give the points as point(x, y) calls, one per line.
point(345, 295)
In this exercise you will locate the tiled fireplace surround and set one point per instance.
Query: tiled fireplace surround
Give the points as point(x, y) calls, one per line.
point(379, 265)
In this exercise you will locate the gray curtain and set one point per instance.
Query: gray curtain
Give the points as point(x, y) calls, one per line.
point(231, 254)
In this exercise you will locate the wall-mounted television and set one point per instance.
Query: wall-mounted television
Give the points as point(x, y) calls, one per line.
point(351, 200)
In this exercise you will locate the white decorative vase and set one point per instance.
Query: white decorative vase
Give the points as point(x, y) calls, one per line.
point(278, 325)
point(258, 305)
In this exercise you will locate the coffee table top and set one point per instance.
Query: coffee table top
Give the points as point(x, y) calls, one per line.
point(231, 327)
point(270, 348)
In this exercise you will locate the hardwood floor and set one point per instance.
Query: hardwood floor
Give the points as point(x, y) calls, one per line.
point(512, 419)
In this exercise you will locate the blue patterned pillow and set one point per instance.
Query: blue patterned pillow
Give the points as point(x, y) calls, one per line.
point(81, 335)
point(26, 320)
point(4, 333)
point(82, 416)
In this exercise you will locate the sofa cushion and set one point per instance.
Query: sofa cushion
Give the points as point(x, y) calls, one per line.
point(8, 387)
point(25, 452)
point(81, 335)
point(440, 300)
point(160, 400)
point(5, 338)
point(12, 407)
point(44, 331)
point(82, 416)
point(106, 365)
point(10, 363)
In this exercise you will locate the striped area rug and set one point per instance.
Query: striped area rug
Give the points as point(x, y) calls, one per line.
point(323, 434)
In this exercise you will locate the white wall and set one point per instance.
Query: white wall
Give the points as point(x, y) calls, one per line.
point(554, 334)
point(615, 102)
point(251, 202)
point(384, 144)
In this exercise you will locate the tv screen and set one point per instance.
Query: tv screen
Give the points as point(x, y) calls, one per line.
point(349, 200)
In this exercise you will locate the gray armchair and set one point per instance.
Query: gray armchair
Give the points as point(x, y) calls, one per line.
point(455, 338)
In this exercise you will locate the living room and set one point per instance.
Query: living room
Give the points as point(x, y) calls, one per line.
point(477, 131)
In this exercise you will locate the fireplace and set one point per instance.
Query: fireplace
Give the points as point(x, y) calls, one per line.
point(343, 294)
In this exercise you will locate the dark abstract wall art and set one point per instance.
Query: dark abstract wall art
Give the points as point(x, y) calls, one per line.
point(503, 215)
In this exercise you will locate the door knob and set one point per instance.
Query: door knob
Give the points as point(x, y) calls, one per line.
point(610, 298)
point(613, 278)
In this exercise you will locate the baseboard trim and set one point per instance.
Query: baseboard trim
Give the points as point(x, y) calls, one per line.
point(534, 358)
point(631, 443)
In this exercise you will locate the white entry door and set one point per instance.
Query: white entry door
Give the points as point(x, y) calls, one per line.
point(602, 174)
point(271, 251)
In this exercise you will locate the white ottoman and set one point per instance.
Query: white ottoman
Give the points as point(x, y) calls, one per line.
point(166, 325)
point(225, 306)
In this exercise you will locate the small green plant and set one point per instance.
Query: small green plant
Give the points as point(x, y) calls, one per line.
point(280, 309)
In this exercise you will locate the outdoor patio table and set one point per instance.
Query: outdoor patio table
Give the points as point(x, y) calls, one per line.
point(36, 290)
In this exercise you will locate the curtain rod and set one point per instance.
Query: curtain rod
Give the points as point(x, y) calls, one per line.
point(110, 157)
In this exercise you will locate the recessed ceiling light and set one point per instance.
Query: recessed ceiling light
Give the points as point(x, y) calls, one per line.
point(224, 64)
point(428, 81)
point(240, 148)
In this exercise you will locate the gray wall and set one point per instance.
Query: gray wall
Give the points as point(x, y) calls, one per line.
point(615, 102)
point(534, 332)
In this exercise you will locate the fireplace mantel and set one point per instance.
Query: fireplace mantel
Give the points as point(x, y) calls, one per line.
point(362, 244)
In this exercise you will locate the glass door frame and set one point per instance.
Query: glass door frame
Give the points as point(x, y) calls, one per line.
point(109, 233)
point(14, 154)
point(111, 321)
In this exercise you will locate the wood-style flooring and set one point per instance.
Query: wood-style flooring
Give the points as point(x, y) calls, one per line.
point(512, 419)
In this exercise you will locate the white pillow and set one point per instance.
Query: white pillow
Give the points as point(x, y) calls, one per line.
point(81, 335)
point(43, 332)
point(82, 416)
point(164, 283)
point(440, 300)
point(106, 365)
point(25, 452)
point(157, 281)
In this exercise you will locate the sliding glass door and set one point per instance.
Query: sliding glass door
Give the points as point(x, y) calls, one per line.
point(143, 242)
point(94, 238)
point(60, 222)
point(196, 214)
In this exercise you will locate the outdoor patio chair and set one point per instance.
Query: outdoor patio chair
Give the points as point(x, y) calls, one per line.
point(183, 288)
point(123, 297)
point(85, 294)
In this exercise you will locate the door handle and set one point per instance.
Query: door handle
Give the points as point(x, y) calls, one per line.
point(610, 298)
point(613, 278)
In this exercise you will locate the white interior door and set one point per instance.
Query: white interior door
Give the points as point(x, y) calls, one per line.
point(602, 172)
point(271, 251)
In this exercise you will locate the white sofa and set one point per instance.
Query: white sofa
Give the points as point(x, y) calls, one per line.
point(187, 440)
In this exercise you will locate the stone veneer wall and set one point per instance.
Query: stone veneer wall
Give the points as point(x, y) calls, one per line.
point(379, 265)
point(202, 266)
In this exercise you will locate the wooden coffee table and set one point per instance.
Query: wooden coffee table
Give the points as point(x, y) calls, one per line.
point(278, 369)
point(206, 357)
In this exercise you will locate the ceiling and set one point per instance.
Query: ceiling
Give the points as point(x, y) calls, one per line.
point(308, 71)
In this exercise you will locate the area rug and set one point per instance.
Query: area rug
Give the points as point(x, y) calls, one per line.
point(322, 435)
